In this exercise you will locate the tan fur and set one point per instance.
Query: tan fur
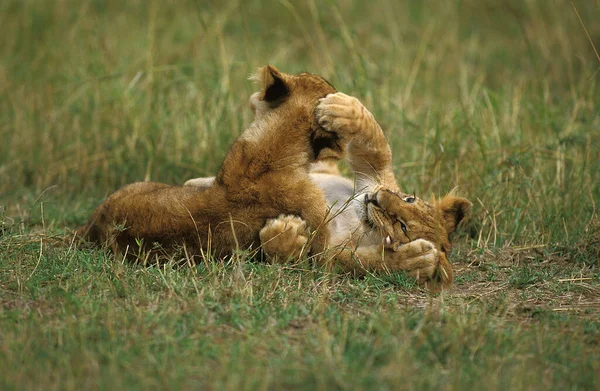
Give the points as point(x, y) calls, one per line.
point(264, 174)
point(366, 234)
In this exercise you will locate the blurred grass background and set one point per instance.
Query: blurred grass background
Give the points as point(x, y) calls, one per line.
point(499, 98)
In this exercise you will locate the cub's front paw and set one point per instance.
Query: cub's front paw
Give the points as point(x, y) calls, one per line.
point(284, 237)
point(424, 262)
point(342, 114)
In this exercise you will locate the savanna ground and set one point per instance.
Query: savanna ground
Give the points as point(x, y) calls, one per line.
point(499, 98)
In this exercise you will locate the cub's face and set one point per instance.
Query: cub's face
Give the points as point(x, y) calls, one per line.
point(400, 218)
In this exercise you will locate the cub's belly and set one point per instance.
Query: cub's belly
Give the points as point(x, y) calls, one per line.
point(342, 201)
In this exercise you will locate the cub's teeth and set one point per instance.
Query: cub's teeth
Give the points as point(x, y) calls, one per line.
point(388, 240)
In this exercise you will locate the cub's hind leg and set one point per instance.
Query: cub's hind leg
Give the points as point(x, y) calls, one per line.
point(204, 182)
point(284, 237)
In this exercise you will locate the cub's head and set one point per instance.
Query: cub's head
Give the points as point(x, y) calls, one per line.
point(295, 97)
point(400, 218)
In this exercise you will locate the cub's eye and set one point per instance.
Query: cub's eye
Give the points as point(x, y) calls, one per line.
point(404, 229)
point(410, 199)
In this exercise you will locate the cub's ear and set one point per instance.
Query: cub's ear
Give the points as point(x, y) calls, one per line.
point(273, 83)
point(454, 210)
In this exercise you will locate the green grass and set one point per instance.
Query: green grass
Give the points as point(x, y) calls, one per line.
point(501, 99)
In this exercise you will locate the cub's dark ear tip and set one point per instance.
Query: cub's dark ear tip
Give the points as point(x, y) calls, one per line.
point(454, 211)
point(463, 209)
point(465, 206)
point(272, 70)
point(276, 88)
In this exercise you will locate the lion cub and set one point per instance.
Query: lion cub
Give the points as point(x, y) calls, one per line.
point(372, 225)
point(264, 174)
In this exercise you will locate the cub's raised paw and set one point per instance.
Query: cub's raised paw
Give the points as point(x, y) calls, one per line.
point(284, 237)
point(342, 114)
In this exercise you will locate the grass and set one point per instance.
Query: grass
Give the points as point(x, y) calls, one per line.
point(498, 98)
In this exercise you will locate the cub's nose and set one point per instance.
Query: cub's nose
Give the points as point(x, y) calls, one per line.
point(371, 199)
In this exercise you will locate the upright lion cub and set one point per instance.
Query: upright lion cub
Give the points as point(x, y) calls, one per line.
point(264, 174)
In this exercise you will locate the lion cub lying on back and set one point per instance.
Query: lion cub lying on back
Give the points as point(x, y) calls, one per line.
point(372, 225)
